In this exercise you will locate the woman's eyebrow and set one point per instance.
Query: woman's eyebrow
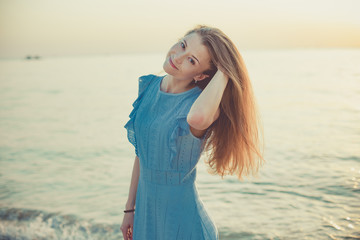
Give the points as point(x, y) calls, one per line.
point(191, 55)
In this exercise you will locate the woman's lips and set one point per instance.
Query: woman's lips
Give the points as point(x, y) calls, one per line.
point(172, 64)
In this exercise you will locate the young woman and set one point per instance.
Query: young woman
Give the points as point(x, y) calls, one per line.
point(204, 102)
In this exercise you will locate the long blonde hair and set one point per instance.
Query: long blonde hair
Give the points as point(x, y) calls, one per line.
point(235, 139)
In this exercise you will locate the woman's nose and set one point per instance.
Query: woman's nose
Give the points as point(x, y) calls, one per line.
point(178, 58)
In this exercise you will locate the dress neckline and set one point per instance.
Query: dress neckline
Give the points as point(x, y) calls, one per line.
point(174, 94)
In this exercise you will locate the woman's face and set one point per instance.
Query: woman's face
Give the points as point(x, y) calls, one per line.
point(187, 59)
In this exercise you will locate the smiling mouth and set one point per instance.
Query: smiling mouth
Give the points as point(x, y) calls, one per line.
point(172, 64)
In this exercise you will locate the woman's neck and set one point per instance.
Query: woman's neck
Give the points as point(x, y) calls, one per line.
point(170, 84)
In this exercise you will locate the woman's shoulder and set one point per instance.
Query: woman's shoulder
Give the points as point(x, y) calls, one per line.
point(148, 77)
point(146, 80)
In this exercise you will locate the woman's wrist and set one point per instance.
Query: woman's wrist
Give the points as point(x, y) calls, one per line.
point(130, 205)
point(221, 75)
point(129, 210)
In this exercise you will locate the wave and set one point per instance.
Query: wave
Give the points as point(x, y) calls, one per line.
point(29, 224)
point(24, 224)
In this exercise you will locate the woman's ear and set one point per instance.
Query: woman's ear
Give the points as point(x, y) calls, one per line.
point(200, 77)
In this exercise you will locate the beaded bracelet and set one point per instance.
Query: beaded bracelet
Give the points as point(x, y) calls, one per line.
point(130, 210)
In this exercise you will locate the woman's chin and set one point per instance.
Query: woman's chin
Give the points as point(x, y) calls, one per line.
point(167, 69)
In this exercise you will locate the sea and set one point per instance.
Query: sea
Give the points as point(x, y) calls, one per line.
point(66, 163)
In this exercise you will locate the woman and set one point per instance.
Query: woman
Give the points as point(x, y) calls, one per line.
point(204, 102)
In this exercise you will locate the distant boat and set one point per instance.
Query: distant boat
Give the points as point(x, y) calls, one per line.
point(32, 57)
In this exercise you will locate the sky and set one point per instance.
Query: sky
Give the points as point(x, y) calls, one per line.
point(82, 27)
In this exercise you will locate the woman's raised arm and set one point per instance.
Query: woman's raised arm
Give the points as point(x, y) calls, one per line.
point(205, 109)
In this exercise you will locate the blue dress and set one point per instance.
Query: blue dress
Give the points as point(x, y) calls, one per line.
point(168, 206)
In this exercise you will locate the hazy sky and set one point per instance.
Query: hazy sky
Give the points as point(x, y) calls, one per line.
point(73, 27)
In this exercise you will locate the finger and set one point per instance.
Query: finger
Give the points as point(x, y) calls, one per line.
point(130, 233)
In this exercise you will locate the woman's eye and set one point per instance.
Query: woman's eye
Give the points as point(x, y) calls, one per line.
point(182, 45)
point(192, 61)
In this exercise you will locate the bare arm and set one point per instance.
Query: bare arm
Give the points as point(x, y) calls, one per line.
point(130, 204)
point(128, 220)
point(205, 109)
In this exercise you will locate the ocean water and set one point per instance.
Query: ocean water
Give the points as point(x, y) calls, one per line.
point(65, 162)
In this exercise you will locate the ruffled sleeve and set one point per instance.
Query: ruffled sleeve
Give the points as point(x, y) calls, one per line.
point(144, 81)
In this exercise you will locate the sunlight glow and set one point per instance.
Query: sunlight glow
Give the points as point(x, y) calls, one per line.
point(49, 27)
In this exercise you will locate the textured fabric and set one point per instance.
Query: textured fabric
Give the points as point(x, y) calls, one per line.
point(167, 203)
